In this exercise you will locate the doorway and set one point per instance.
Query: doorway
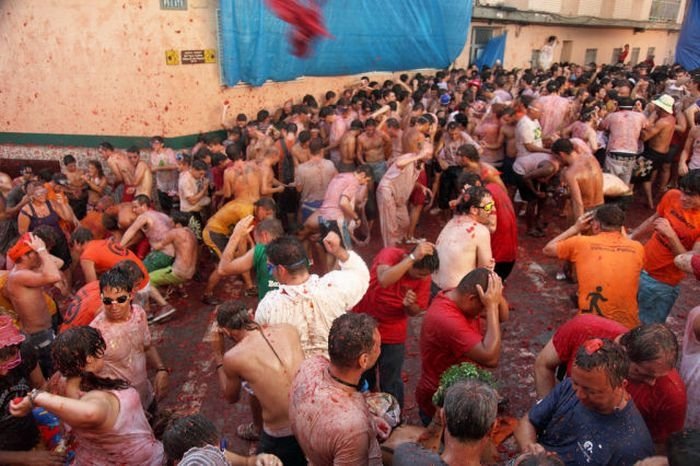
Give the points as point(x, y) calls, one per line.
point(567, 48)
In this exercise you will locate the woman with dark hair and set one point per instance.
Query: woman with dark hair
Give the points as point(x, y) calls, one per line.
point(105, 415)
point(96, 181)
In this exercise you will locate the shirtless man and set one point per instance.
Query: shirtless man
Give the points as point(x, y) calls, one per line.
point(583, 175)
point(270, 185)
point(488, 132)
point(465, 242)
point(556, 111)
point(245, 184)
point(154, 225)
point(414, 136)
point(300, 150)
point(370, 149)
point(34, 269)
point(337, 128)
point(267, 358)
point(141, 179)
point(392, 128)
point(117, 162)
point(312, 179)
point(77, 189)
point(348, 148)
point(184, 243)
point(657, 135)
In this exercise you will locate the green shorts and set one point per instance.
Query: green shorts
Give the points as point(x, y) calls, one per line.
point(165, 276)
point(157, 260)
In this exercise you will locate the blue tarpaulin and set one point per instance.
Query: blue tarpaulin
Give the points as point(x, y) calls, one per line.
point(688, 47)
point(368, 35)
point(494, 50)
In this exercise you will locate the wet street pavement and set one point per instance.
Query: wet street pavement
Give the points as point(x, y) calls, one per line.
point(539, 302)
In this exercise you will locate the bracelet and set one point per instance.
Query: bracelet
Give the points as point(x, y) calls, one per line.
point(163, 369)
point(33, 394)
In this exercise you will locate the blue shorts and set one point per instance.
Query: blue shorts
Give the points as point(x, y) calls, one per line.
point(308, 208)
point(342, 227)
point(655, 299)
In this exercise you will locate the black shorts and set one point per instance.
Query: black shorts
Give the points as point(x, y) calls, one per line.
point(649, 162)
point(286, 449)
point(288, 201)
point(526, 193)
point(507, 173)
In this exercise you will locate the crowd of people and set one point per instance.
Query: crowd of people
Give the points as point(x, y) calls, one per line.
point(90, 256)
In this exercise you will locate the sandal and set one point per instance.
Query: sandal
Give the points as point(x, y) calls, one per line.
point(248, 432)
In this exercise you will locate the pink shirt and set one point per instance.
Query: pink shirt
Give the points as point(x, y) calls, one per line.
point(625, 128)
point(314, 176)
point(400, 181)
point(125, 356)
point(166, 180)
point(554, 111)
point(130, 441)
point(332, 424)
point(342, 185)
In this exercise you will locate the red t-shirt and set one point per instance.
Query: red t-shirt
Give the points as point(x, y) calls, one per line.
point(106, 253)
point(386, 304)
point(662, 405)
point(82, 307)
point(446, 336)
point(695, 264)
point(658, 255)
point(504, 241)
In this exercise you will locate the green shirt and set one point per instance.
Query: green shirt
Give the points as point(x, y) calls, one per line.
point(262, 274)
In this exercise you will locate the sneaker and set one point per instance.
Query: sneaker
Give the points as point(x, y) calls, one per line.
point(210, 300)
point(166, 312)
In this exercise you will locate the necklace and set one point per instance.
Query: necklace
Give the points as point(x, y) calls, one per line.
point(347, 384)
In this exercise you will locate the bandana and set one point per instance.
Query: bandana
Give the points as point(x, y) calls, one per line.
point(20, 248)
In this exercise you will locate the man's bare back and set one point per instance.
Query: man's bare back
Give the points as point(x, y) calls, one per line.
point(463, 245)
point(242, 182)
point(144, 179)
point(301, 154)
point(587, 176)
point(661, 142)
point(119, 164)
point(185, 245)
point(348, 145)
point(254, 361)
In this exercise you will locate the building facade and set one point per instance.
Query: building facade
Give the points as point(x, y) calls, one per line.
point(587, 30)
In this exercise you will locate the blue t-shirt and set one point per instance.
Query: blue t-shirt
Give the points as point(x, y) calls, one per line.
point(412, 454)
point(583, 437)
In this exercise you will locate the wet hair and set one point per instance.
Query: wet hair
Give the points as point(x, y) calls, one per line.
point(288, 252)
point(158, 139)
point(472, 179)
point(330, 95)
point(188, 432)
point(116, 279)
point(266, 203)
point(469, 151)
point(366, 169)
point(350, 336)
point(290, 128)
point(270, 225)
point(199, 165)
point(131, 269)
point(142, 199)
point(48, 234)
point(234, 315)
point(180, 218)
point(98, 167)
point(356, 124)
point(106, 146)
point(262, 115)
point(562, 145)
point(304, 136)
point(610, 357)
point(472, 197)
point(650, 342)
point(470, 408)
point(610, 217)
point(461, 119)
point(81, 235)
point(683, 448)
point(370, 122)
point(527, 100)
point(45, 175)
point(479, 276)
point(690, 183)
point(541, 459)
point(316, 146)
point(394, 123)
point(70, 351)
point(429, 262)
point(326, 111)
point(217, 159)
point(134, 150)
point(68, 159)
point(110, 222)
point(235, 152)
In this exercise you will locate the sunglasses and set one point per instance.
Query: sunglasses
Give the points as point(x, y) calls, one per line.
point(109, 301)
point(488, 207)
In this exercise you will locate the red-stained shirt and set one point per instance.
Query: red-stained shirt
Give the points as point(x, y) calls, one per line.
point(386, 304)
point(82, 307)
point(447, 334)
point(658, 254)
point(663, 405)
point(106, 253)
point(504, 241)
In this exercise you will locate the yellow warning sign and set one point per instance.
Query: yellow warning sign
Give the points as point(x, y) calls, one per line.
point(209, 56)
point(172, 57)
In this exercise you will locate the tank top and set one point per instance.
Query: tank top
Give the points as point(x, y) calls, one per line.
point(51, 220)
point(129, 442)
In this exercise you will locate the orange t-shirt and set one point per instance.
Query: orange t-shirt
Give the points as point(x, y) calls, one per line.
point(608, 267)
point(106, 253)
point(82, 307)
point(93, 222)
point(659, 256)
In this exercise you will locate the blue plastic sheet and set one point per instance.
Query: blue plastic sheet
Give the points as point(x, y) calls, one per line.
point(688, 47)
point(368, 35)
point(494, 50)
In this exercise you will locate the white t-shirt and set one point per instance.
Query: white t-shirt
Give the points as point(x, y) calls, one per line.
point(527, 131)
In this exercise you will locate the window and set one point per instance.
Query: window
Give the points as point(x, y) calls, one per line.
point(635, 56)
point(651, 51)
point(535, 58)
point(665, 10)
point(616, 53)
point(480, 37)
point(591, 56)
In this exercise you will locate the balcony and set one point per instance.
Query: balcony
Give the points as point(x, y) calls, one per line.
point(665, 10)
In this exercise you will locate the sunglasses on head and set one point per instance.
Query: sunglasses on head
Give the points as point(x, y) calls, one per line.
point(488, 207)
point(109, 301)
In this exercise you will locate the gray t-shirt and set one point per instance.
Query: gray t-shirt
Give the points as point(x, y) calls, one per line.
point(412, 454)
